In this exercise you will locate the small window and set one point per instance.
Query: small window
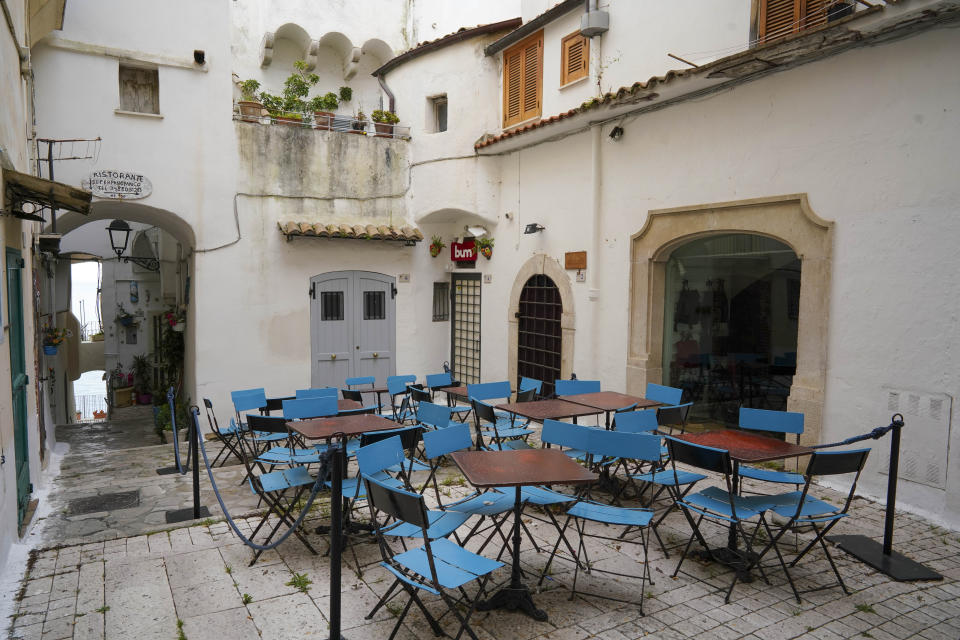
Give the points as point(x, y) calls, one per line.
point(779, 18)
point(441, 301)
point(130, 334)
point(575, 58)
point(139, 90)
point(374, 305)
point(331, 305)
point(438, 108)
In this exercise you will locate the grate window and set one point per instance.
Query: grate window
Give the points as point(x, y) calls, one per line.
point(331, 305)
point(441, 301)
point(465, 330)
point(374, 305)
point(539, 333)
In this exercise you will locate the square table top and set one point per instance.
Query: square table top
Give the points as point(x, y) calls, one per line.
point(552, 409)
point(610, 400)
point(459, 390)
point(348, 405)
point(745, 446)
point(326, 428)
point(523, 467)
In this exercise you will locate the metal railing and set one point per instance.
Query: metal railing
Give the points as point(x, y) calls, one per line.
point(322, 121)
point(90, 407)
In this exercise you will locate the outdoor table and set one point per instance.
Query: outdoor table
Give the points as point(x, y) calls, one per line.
point(552, 409)
point(276, 404)
point(488, 469)
point(610, 401)
point(744, 446)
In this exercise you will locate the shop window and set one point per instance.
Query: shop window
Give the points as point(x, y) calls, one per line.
point(139, 89)
point(441, 301)
point(438, 114)
point(574, 58)
point(523, 80)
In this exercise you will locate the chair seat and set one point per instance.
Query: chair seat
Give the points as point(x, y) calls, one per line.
point(668, 477)
point(353, 487)
point(285, 479)
point(576, 454)
point(509, 432)
point(410, 465)
point(461, 409)
point(785, 505)
point(442, 524)
point(266, 436)
point(491, 503)
point(542, 496)
point(455, 565)
point(285, 455)
point(717, 501)
point(609, 514)
point(770, 475)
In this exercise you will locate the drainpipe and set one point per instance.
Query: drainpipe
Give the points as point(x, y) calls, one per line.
point(386, 90)
point(593, 270)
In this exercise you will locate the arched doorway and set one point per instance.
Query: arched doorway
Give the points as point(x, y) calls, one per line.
point(539, 333)
point(731, 306)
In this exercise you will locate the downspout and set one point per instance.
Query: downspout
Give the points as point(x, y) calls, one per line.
point(594, 269)
point(386, 90)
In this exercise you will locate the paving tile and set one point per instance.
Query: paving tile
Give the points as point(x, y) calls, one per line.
point(290, 616)
point(235, 624)
point(89, 627)
point(196, 567)
point(263, 583)
point(139, 600)
point(206, 598)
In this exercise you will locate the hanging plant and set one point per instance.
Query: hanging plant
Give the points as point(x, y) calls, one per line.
point(436, 246)
point(485, 247)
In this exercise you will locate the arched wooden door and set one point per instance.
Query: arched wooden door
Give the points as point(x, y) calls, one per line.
point(539, 336)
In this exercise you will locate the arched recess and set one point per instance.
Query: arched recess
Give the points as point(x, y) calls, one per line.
point(542, 264)
point(788, 219)
point(132, 212)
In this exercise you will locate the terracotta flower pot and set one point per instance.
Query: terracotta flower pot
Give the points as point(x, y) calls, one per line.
point(322, 120)
point(434, 251)
point(384, 130)
point(250, 111)
point(289, 120)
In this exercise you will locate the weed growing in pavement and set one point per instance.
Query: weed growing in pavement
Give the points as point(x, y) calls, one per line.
point(228, 569)
point(865, 608)
point(180, 634)
point(247, 598)
point(394, 609)
point(102, 609)
point(300, 581)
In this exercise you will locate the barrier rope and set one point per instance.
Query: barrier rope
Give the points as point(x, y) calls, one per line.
point(176, 440)
point(317, 485)
point(876, 434)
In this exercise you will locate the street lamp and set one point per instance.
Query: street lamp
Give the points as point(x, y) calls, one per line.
point(119, 232)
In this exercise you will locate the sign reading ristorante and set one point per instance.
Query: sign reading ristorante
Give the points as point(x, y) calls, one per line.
point(119, 185)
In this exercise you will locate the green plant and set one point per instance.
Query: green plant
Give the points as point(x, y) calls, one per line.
point(360, 115)
point(53, 336)
point(485, 247)
point(141, 374)
point(300, 581)
point(247, 598)
point(180, 634)
point(162, 420)
point(436, 246)
point(385, 117)
point(326, 102)
point(346, 94)
point(292, 100)
point(248, 89)
point(865, 608)
point(102, 609)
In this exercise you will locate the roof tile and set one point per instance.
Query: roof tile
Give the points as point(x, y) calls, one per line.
point(356, 232)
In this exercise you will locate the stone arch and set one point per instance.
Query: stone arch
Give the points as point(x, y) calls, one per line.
point(788, 219)
point(542, 264)
point(130, 211)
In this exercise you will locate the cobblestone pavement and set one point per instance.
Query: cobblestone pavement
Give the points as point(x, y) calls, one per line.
point(125, 580)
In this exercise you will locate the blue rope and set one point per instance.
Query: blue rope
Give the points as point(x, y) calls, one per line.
point(324, 469)
point(176, 440)
point(876, 434)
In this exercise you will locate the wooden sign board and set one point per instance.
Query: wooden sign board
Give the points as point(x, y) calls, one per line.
point(575, 260)
point(465, 251)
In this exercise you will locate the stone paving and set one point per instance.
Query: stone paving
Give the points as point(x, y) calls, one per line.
point(125, 580)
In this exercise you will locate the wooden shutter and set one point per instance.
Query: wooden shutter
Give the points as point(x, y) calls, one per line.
point(780, 18)
point(139, 90)
point(523, 80)
point(574, 58)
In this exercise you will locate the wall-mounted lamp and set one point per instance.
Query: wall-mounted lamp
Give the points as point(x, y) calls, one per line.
point(119, 232)
point(410, 243)
point(616, 133)
point(477, 231)
point(533, 227)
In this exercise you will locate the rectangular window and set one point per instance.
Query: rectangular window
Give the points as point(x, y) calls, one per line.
point(374, 305)
point(331, 305)
point(779, 18)
point(523, 80)
point(441, 301)
point(139, 90)
point(574, 58)
point(438, 107)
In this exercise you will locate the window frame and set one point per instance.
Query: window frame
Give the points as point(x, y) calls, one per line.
point(565, 77)
point(436, 101)
point(520, 49)
point(126, 67)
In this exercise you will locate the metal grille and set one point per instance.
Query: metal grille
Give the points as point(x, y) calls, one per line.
point(441, 301)
point(539, 338)
point(331, 305)
point(465, 329)
point(374, 305)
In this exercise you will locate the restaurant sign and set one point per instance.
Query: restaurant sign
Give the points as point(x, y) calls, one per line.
point(117, 185)
point(465, 251)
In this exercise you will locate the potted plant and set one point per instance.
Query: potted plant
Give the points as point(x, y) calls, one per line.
point(142, 371)
point(124, 317)
point(323, 108)
point(52, 338)
point(485, 247)
point(291, 104)
point(436, 246)
point(176, 318)
point(250, 107)
point(359, 122)
point(346, 94)
point(384, 122)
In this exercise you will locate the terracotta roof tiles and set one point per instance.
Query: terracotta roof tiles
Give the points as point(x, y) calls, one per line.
point(354, 232)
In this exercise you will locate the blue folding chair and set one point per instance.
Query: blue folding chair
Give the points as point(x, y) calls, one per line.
point(500, 431)
point(776, 422)
point(531, 383)
point(320, 392)
point(359, 381)
point(671, 412)
point(575, 387)
point(439, 381)
point(435, 416)
point(226, 435)
point(253, 400)
point(397, 387)
point(304, 408)
point(564, 434)
point(436, 567)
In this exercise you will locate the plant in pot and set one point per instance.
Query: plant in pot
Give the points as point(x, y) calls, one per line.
point(175, 318)
point(436, 246)
point(485, 247)
point(250, 107)
point(124, 317)
point(346, 94)
point(53, 338)
point(291, 105)
point(142, 371)
point(359, 122)
point(384, 122)
point(323, 108)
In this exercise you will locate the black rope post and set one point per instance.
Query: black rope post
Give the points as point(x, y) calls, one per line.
point(194, 461)
point(336, 532)
point(897, 423)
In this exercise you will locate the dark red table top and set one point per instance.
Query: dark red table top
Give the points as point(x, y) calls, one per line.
point(326, 428)
point(745, 446)
point(457, 391)
point(609, 400)
point(485, 469)
point(348, 405)
point(552, 409)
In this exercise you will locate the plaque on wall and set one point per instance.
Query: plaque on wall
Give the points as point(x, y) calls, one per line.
point(117, 185)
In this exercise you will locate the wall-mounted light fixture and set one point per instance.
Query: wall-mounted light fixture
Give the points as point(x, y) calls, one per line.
point(616, 133)
point(533, 227)
point(119, 232)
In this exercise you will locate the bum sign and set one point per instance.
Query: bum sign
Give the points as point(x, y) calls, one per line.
point(465, 251)
point(118, 185)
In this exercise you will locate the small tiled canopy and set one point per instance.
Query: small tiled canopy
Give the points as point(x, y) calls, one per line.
point(355, 232)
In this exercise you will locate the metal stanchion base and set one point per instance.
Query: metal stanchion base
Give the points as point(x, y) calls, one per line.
point(513, 599)
point(181, 515)
point(166, 471)
point(896, 565)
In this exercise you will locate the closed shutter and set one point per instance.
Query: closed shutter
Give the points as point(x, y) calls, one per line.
point(523, 80)
point(780, 18)
point(574, 58)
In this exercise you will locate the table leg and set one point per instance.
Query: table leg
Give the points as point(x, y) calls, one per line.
point(516, 596)
point(731, 554)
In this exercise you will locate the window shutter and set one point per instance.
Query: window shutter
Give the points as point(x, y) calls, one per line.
point(780, 18)
point(523, 80)
point(512, 87)
point(531, 80)
point(815, 13)
point(575, 58)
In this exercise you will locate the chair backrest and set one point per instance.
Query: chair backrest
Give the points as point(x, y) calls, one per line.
point(443, 441)
point(211, 416)
point(489, 390)
point(664, 395)
point(409, 437)
point(435, 380)
point(402, 505)
point(248, 399)
point(483, 412)
point(575, 387)
point(530, 383)
point(267, 424)
point(419, 395)
point(359, 380)
point(622, 444)
point(398, 384)
point(433, 415)
point(636, 421)
point(380, 455)
point(310, 408)
point(527, 395)
point(831, 463)
point(274, 404)
point(352, 394)
point(767, 420)
point(564, 434)
point(321, 392)
point(699, 456)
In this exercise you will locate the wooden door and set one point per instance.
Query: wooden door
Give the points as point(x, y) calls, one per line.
point(19, 380)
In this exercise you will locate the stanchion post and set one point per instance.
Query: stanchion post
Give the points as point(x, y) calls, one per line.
point(336, 533)
point(195, 462)
point(892, 487)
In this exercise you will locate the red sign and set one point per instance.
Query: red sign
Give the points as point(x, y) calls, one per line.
point(465, 251)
